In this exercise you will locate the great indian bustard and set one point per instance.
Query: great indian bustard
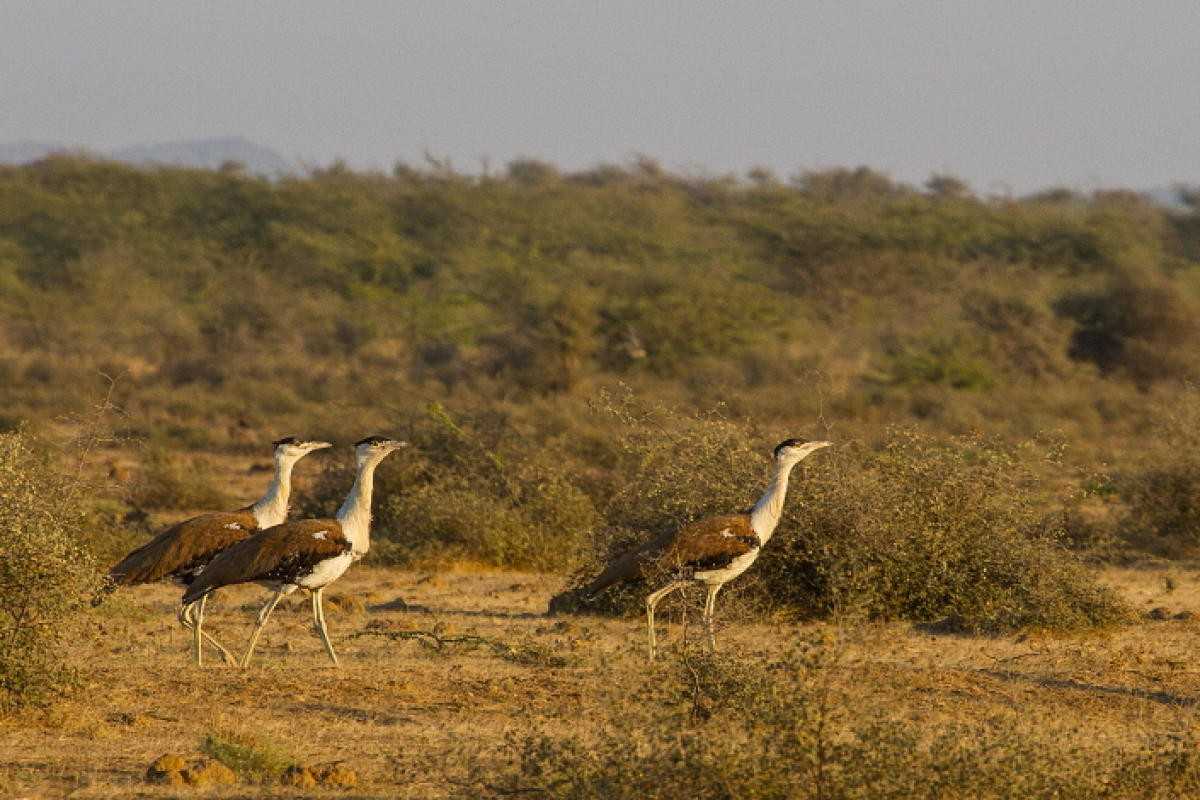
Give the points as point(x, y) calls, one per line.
point(711, 552)
point(308, 554)
point(182, 551)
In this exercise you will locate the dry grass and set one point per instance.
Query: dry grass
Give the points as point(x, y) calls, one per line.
point(408, 717)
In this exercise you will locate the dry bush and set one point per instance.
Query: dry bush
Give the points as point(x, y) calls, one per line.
point(952, 532)
point(164, 482)
point(45, 574)
point(787, 730)
point(1161, 489)
point(469, 489)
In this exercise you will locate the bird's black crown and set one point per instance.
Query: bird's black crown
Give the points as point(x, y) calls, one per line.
point(285, 440)
point(789, 443)
point(372, 440)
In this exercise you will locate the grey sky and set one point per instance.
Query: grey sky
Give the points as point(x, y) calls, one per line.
point(1008, 92)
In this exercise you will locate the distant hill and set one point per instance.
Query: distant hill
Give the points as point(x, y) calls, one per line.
point(196, 153)
point(25, 151)
point(208, 154)
point(1168, 196)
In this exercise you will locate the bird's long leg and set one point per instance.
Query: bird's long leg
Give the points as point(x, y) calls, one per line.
point(198, 630)
point(186, 619)
point(263, 616)
point(651, 602)
point(184, 616)
point(199, 620)
point(710, 604)
point(319, 621)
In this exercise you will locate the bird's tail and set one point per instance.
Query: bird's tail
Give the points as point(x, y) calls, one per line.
point(195, 590)
point(626, 567)
point(567, 602)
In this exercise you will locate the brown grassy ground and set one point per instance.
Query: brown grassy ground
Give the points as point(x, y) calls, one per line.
point(405, 717)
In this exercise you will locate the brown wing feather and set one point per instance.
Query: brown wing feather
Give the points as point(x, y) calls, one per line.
point(710, 541)
point(279, 553)
point(706, 542)
point(183, 547)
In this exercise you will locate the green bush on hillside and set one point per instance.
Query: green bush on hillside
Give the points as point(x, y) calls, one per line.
point(1137, 324)
point(534, 282)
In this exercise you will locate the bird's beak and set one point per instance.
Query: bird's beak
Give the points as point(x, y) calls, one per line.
point(397, 444)
point(319, 445)
point(819, 445)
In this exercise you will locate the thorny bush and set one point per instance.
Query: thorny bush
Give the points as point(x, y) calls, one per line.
point(952, 532)
point(46, 576)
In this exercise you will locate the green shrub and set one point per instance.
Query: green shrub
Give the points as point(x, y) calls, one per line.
point(941, 363)
point(46, 575)
point(253, 758)
point(952, 532)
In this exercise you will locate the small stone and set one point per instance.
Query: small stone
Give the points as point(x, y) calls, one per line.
point(205, 772)
point(1158, 612)
point(298, 776)
point(336, 775)
point(1183, 615)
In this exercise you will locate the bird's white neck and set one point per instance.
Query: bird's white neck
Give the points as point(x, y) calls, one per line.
point(272, 509)
point(765, 515)
point(355, 513)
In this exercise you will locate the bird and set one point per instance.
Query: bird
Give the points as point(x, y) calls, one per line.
point(710, 552)
point(182, 551)
point(308, 553)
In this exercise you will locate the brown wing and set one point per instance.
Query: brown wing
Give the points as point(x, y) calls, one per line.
point(706, 544)
point(183, 548)
point(282, 553)
point(710, 543)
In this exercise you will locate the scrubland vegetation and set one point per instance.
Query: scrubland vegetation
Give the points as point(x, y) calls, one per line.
point(952, 533)
point(47, 572)
point(710, 726)
point(584, 360)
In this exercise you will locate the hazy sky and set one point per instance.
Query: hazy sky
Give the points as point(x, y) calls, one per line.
point(1005, 93)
